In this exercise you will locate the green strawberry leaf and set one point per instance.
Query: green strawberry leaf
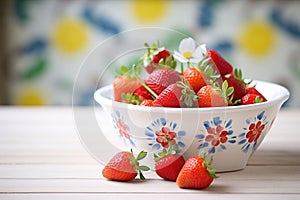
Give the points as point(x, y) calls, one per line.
point(188, 95)
point(207, 165)
point(172, 149)
point(141, 155)
point(144, 168)
point(205, 66)
point(131, 98)
point(258, 99)
point(136, 165)
point(171, 62)
point(239, 75)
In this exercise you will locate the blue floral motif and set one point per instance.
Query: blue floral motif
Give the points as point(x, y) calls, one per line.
point(122, 128)
point(253, 132)
point(162, 131)
point(216, 135)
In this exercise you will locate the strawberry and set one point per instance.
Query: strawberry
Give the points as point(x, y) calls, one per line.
point(196, 173)
point(123, 84)
point(195, 78)
point(253, 90)
point(124, 166)
point(126, 82)
point(238, 85)
point(169, 167)
point(169, 162)
point(220, 63)
point(251, 99)
point(147, 102)
point(213, 96)
point(162, 55)
point(160, 79)
point(143, 93)
point(154, 57)
point(177, 95)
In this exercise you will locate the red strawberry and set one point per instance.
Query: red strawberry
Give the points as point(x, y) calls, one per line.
point(160, 79)
point(161, 55)
point(143, 93)
point(238, 85)
point(195, 78)
point(210, 96)
point(164, 54)
point(177, 95)
point(253, 90)
point(251, 99)
point(124, 84)
point(147, 102)
point(221, 64)
point(154, 56)
point(169, 162)
point(196, 173)
point(124, 166)
point(169, 166)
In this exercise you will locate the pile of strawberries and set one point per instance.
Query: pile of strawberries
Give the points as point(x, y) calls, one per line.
point(170, 165)
point(184, 80)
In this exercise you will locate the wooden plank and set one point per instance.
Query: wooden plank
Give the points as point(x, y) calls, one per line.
point(228, 186)
point(40, 179)
point(145, 196)
point(283, 156)
point(40, 171)
point(51, 171)
point(44, 159)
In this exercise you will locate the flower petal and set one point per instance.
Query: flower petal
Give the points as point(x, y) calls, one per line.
point(200, 51)
point(195, 60)
point(179, 57)
point(187, 44)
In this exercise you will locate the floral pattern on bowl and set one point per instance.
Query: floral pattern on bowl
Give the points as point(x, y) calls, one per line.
point(217, 135)
point(253, 132)
point(122, 129)
point(161, 130)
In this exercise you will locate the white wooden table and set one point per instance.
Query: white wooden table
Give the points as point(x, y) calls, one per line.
point(41, 157)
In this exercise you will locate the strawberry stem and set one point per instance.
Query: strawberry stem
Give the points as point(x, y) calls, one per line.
point(142, 177)
point(136, 165)
point(171, 149)
point(181, 68)
point(211, 172)
point(143, 84)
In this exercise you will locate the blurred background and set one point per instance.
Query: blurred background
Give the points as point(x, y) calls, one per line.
point(43, 43)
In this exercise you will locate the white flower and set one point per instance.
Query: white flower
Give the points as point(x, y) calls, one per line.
point(188, 52)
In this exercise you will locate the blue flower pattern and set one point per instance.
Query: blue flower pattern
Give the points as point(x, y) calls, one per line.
point(256, 126)
point(123, 129)
point(161, 129)
point(216, 135)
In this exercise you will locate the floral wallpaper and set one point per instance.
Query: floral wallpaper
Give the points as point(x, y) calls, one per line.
point(48, 40)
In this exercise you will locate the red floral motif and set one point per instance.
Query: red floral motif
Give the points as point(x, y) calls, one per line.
point(216, 135)
point(123, 129)
point(254, 131)
point(164, 135)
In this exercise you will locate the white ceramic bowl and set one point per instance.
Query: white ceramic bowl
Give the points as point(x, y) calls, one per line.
point(229, 134)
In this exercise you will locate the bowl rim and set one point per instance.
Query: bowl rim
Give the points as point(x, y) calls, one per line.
point(279, 99)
